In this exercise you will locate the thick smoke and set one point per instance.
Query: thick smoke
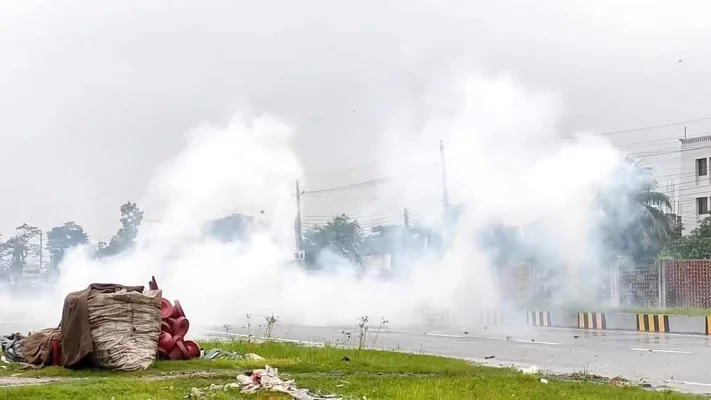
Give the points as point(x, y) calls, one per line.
point(506, 164)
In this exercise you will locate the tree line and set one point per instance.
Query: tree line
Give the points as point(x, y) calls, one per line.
point(632, 220)
point(27, 240)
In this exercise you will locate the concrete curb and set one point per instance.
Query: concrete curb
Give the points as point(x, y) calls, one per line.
point(660, 323)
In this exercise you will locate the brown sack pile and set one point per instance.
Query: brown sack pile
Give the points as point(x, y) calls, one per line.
point(105, 325)
point(125, 328)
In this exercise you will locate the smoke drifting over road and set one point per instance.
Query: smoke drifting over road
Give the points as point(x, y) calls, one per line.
point(506, 164)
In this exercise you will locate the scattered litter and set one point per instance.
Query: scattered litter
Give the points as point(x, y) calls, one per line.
point(532, 370)
point(342, 383)
point(266, 379)
point(619, 381)
point(214, 354)
point(544, 381)
point(253, 357)
point(345, 359)
point(10, 346)
point(488, 357)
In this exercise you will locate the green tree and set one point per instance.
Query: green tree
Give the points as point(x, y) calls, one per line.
point(234, 227)
point(341, 235)
point(63, 237)
point(636, 220)
point(694, 246)
point(20, 246)
point(131, 218)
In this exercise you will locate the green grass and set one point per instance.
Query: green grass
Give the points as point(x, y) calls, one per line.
point(373, 374)
point(632, 310)
point(701, 312)
point(670, 311)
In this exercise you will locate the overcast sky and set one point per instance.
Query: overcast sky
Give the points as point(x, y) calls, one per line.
point(95, 94)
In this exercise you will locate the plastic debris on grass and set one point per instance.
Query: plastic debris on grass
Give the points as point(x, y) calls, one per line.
point(216, 354)
point(532, 370)
point(266, 379)
point(11, 348)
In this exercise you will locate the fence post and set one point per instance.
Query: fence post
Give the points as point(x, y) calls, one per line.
point(662, 282)
point(615, 283)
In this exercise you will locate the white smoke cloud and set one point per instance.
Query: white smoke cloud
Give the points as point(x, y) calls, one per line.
point(505, 163)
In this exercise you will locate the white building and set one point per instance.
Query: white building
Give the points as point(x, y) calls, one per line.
point(694, 181)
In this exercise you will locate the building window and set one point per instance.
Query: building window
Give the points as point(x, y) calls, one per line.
point(702, 205)
point(702, 167)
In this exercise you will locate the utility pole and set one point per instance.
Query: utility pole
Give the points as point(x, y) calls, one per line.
point(406, 235)
point(406, 225)
point(41, 250)
point(297, 223)
point(445, 193)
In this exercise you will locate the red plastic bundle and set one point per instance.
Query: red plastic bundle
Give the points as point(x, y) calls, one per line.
point(174, 327)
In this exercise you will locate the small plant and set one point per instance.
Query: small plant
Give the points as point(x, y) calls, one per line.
point(362, 332)
point(346, 338)
point(270, 323)
point(249, 327)
point(383, 323)
point(228, 329)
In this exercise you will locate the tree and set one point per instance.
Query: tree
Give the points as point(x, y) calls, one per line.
point(63, 237)
point(696, 245)
point(386, 239)
point(20, 246)
point(341, 235)
point(234, 227)
point(635, 221)
point(131, 218)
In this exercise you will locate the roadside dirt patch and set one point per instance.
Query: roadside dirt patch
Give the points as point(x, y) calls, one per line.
point(8, 381)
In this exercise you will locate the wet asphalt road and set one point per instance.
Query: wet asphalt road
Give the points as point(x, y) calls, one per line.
point(680, 362)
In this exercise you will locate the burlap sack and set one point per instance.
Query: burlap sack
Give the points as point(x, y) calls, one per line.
point(125, 327)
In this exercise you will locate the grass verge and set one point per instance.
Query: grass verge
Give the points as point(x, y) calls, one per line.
point(350, 373)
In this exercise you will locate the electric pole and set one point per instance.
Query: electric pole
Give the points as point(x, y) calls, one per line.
point(41, 250)
point(297, 223)
point(445, 193)
point(406, 235)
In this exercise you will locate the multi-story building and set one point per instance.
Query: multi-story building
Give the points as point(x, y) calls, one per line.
point(694, 187)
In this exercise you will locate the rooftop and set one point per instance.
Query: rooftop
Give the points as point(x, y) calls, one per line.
point(697, 139)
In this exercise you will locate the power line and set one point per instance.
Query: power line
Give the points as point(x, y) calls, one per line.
point(634, 144)
point(369, 183)
point(690, 121)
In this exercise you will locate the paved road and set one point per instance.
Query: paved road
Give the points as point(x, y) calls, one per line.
point(681, 362)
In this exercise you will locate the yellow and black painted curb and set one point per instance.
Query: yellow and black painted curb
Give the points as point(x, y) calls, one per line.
point(592, 320)
point(708, 325)
point(538, 318)
point(653, 323)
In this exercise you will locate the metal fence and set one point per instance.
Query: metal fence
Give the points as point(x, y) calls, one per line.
point(687, 283)
point(668, 283)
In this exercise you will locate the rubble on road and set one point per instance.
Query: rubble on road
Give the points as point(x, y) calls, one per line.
point(266, 379)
